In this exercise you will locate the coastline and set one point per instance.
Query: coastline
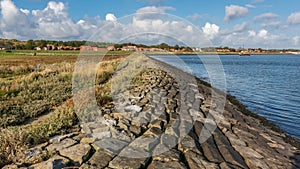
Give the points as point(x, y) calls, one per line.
point(151, 129)
point(213, 53)
point(243, 108)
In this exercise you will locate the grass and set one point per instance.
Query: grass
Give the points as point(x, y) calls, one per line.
point(14, 141)
point(27, 93)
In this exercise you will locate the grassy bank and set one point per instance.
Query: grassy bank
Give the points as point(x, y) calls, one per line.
point(36, 101)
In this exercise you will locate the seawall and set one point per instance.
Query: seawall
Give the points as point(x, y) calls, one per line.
point(167, 118)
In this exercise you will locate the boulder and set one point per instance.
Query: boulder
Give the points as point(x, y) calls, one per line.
point(78, 153)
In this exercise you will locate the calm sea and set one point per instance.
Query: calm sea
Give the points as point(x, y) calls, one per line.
point(268, 84)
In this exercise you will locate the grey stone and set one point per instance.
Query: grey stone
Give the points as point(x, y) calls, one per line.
point(211, 152)
point(187, 143)
point(56, 162)
point(101, 129)
point(146, 142)
point(234, 140)
point(135, 129)
point(113, 146)
point(171, 164)
point(78, 153)
point(228, 153)
point(101, 135)
point(167, 156)
point(225, 165)
point(169, 140)
point(58, 139)
point(100, 159)
point(256, 163)
point(61, 145)
point(128, 163)
point(248, 152)
point(196, 161)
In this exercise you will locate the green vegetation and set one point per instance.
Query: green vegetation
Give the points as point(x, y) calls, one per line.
point(13, 44)
point(36, 100)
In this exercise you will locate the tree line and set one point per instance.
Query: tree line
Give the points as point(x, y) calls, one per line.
point(32, 44)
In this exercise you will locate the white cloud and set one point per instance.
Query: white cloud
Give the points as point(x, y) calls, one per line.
point(196, 16)
point(110, 17)
point(262, 33)
point(235, 11)
point(25, 11)
point(275, 24)
point(252, 33)
point(210, 30)
point(258, 1)
point(296, 40)
point(239, 28)
point(294, 18)
point(152, 12)
point(14, 22)
point(54, 22)
point(150, 25)
point(155, 1)
point(265, 16)
point(250, 6)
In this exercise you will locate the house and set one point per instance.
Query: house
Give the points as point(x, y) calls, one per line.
point(111, 48)
point(90, 48)
point(50, 47)
point(143, 49)
point(129, 48)
point(86, 48)
point(155, 50)
point(101, 49)
point(38, 48)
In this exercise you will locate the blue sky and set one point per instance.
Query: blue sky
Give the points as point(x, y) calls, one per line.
point(255, 23)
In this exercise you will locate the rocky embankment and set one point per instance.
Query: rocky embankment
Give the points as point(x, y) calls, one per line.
point(168, 119)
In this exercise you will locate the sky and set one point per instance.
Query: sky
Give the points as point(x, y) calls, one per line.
point(234, 23)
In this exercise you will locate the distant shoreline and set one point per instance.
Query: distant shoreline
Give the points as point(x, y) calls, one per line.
point(241, 107)
point(211, 53)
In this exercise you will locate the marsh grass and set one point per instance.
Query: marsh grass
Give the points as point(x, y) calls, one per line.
point(14, 141)
point(27, 96)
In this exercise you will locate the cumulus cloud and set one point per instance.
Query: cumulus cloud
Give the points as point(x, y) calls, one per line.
point(25, 11)
point(296, 40)
point(149, 25)
point(210, 30)
point(155, 1)
point(265, 16)
point(258, 1)
point(152, 12)
point(250, 6)
point(196, 16)
point(110, 17)
point(54, 22)
point(275, 24)
point(251, 33)
point(294, 18)
point(14, 22)
point(238, 28)
point(235, 11)
point(262, 33)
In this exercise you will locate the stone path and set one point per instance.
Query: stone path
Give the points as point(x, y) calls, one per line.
point(161, 122)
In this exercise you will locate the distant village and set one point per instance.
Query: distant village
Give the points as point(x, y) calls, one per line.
point(135, 48)
point(47, 45)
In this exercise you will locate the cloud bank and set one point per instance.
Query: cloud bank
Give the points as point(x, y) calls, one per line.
point(234, 12)
point(150, 25)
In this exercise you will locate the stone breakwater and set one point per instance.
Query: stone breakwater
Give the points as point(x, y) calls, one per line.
point(158, 122)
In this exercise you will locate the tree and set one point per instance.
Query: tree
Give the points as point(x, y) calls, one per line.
point(163, 46)
point(30, 45)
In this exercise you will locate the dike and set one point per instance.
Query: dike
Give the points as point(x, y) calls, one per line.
point(161, 121)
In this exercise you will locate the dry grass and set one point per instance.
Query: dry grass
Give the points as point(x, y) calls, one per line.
point(14, 141)
point(26, 93)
